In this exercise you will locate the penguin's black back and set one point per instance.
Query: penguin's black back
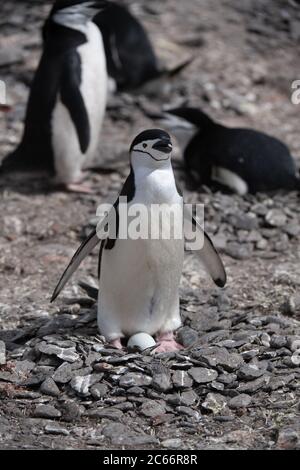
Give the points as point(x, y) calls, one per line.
point(262, 161)
point(130, 57)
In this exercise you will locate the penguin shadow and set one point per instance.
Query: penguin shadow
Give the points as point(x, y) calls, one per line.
point(41, 184)
point(25, 185)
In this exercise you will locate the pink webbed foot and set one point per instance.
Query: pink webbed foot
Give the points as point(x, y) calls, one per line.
point(167, 343)
point(116, 343)
point(79, 188)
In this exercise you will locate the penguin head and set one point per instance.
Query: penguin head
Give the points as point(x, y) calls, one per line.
point(152, 147)
point(76, 13)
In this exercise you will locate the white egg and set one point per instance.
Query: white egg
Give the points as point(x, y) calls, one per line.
point(140, 341)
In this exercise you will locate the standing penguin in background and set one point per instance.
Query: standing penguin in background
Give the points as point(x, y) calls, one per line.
point(139, 278)
point(67, 100)
point(242, 160)
point(131, 59)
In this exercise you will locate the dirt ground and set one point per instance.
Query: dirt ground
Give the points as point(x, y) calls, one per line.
point(245, 59)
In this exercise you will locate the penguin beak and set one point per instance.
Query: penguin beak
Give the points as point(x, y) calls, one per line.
point(163, 146)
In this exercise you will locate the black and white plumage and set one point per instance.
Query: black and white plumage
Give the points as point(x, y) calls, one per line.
point(243, 160)
point(131, 59)
point(139, 278)
point(67, 99)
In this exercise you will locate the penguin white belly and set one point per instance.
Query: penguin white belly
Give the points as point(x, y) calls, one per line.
point(139, 279)
point(94, 84)
point(138, 289)
point(68, 158)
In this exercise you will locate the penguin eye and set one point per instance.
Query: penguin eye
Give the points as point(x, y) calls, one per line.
point(144, 146)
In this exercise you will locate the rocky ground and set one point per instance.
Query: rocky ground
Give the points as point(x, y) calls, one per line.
point(236, 384)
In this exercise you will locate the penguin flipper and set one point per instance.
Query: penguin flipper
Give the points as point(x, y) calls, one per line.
point(71, 97)
point(85, 248)
point(208, 254)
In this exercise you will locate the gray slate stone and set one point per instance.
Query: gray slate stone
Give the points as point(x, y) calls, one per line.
point(215, 356)
point(46, 411)
point(161, 379)
point(121, 435)
point(2, 353)
point(133, 379)
point(254, 385)
point(202, 375)
point(110, 413)
point(81, 384)
point(66, 354)
point(240, 401)
point(187, 411)
point(187, 336)
point(56, 429)
point(249, 372)
point(49, 387)
point(152, 408)
point(181, 379)
point(214, 402)
point(99, 390)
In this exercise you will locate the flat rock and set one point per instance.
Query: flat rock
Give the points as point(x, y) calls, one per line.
point(46, 411)
point(202, 375)
point(152, 408)
point(65, 354)
point(190, 412)
point(56, 429)
point(240, 401)
point(161, 378)
point(187, 336)
point(215, 356)
point(99, 390)
point(81, 384)
point(254, 385)
point(172, 443)
point(71, 411)
point(49, 387)
point(214, 402)
point(181, 379)
point(249, 372)
point(2, 353)
point(110, 413)
point(278, 341)
point(288, 439)
point(276, 218)
point(133, 379)
point(120, 435)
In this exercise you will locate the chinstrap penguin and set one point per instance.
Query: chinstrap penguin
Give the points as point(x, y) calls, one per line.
point(139, 278)
point(240, 159)
point(131, 59)
point(67, 99)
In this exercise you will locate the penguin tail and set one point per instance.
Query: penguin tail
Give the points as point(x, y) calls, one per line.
point(90, 290)
point(173, 71)
point(194, 116)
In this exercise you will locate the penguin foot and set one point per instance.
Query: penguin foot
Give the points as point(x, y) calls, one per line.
point(167, 343)
point(116, 343)
point(79, 188)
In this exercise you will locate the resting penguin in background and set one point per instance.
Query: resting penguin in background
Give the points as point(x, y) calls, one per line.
point(67, 99)
point(139, 278)
point(131, 60)
point(243, 160)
